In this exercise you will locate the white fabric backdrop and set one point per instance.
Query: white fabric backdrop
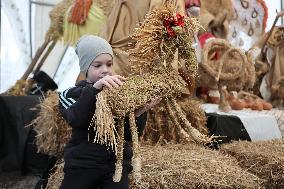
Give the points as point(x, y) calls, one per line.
point(15, 47)
point(16, 13)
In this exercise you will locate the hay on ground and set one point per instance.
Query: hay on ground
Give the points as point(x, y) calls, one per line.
point(182, 166)
point(264, 159)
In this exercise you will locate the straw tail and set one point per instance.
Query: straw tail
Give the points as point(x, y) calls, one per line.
point(104, 124)
point(193, 133)
point(184, 136)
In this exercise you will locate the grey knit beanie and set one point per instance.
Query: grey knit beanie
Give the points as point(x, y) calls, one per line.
point(88, 48)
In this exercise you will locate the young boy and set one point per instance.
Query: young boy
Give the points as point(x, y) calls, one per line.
point(90, 165)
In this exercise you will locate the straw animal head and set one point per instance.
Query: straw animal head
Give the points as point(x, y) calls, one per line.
point(163, 33)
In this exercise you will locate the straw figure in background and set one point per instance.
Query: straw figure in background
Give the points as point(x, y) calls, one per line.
point(69, 20)
point(234, 70)
point(278, 93)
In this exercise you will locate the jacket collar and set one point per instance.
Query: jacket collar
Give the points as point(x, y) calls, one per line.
point(83, 83)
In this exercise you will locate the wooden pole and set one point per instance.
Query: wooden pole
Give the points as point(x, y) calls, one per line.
point(280, 14)
point(35, 59)
point(45, 56)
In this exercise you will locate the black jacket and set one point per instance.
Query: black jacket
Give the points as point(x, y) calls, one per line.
point(77, 106)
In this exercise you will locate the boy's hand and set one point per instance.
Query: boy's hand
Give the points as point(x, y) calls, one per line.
point(109, 81)
point(147, 106)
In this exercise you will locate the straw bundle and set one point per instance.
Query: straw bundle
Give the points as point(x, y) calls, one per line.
point(191, 166)
point(21, 87)
point(250, 71)
point(52, 130)
point(264, 159)
point(195, 114)
point(56, 15)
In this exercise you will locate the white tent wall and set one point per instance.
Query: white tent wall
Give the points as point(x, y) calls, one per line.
point(40, 16)
point(16, 14)
point(15, 54)
point(12, 65)
point(15, 33)
point(273, 5)
point(65, 73)
point(41, 24)
point(52, 62)
point(68, 71)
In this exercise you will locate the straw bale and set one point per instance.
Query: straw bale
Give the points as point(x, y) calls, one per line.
point(53, 132)
point(182, 166)
point(191, 166)
point(264, 159)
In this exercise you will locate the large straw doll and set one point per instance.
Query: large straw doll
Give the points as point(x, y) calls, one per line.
point(163, 33)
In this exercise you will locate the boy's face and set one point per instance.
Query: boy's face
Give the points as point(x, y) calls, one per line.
point(100, 67)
